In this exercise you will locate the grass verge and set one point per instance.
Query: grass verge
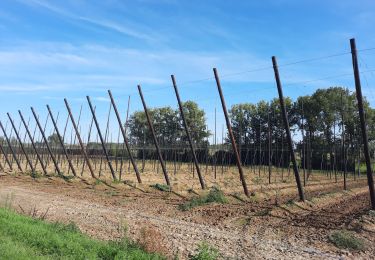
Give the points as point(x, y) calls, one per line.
point(23, 237)
point(215, 195)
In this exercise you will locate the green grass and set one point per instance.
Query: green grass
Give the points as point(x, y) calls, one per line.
point(23, 237)
point(215, 195)
point(347, 240)
point(205, 252)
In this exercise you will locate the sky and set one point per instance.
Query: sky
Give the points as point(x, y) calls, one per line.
point(50, 50)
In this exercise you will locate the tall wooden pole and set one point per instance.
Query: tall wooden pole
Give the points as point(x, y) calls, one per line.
point(11, 148)
point(151, 126)
point(21, 144)
point(233, 141)
point(123, 132)
point(61, 141)
point(101, 139)
point(287, 129)
point(46, 142)
point(79, 139)
point(6, 156)
point(33, 143)
point(358, 88)
point(188, 133)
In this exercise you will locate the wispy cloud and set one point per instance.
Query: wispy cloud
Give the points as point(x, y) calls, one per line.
point(103, 23)
point(118, 28)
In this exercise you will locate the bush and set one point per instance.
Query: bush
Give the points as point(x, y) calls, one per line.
point(347, 240)
point(215, 195)
point(206, 252)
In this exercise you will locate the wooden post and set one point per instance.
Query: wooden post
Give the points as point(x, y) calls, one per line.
point(79, 139)
point(61, 142)
point(188, 133)
point(287, 129)
point(101, 139)
point(123, 131)
point(151, 126)
point(358, 88)
point(233, 141)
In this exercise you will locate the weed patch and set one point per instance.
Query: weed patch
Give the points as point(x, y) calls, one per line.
point(161, 187)
point(347, 240)
point(205, 252)
point(215, 195)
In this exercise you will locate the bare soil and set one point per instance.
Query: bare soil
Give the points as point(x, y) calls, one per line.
point(270, 225)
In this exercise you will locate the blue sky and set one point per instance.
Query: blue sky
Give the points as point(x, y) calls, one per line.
point(55, 49)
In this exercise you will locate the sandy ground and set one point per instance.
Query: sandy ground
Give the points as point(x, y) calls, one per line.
point(268, 226)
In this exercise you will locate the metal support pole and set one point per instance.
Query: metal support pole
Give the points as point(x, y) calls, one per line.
point(33, 144)
point(46, 142)
point(61, 141)
point(124, 136)
point(11, 148)
point(21, 144)
point(358, 88)
point(287, 129)
point(79, 139)
point(101, 139)
point(203, 186)
point(161, 160)
point(233, 141)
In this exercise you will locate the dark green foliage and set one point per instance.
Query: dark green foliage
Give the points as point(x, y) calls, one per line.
point(161, 187)
point(215, 195)
point(27, 238)
point(347, 240)
point(168, 125)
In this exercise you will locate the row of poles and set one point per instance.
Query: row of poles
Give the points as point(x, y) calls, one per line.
point(185, 125)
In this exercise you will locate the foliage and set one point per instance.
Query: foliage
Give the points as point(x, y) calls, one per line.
point(168, 125)
point(347, 240)
point(27, 238)
point(53, 139)
point(214, 195)
point(321, 117)
point(161, 187)
point(206, 252)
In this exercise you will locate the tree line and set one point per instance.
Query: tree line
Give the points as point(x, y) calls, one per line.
point(325, 123)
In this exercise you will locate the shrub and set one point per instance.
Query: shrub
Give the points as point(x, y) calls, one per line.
point(347, 240)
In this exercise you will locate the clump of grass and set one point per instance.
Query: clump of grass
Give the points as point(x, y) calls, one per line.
point(347, 240)
point(97, 182)
point(161, 187)
point(23, 237)
point(117, 181)
point(215, 195)
point(205, 252)
point(36, 174)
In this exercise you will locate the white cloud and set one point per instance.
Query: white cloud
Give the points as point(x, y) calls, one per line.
point(97, 21)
